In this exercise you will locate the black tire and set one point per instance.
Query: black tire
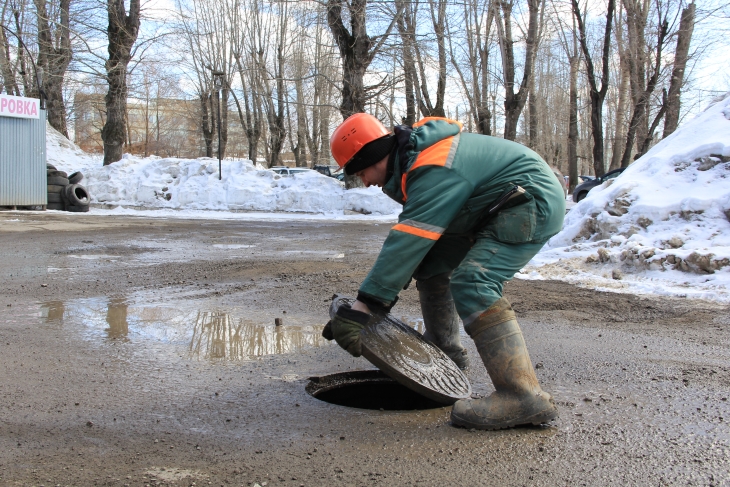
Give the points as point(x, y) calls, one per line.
point(581, 196)
point(76, 195)
point(75, 178)
point(54, 188)
point(53, 172)
point(50, 167)
point(55, 206)
point(78, 209)
point(57, 181)
point(55, 198)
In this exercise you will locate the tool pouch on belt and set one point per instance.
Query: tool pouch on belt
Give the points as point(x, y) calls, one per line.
point(511, 218)
point(512, 196)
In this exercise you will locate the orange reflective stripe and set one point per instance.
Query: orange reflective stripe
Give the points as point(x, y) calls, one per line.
point(403, 186)
point(436, 155)
point(418, 232)
point(424, 121)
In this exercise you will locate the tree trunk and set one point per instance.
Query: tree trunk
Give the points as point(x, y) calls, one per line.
point(6, 71)
point(623, 101)
point(410, 76)
point(640, 110)
point(686, 26)
point(646, 143)
point(122, 34)
point(30, 87)
point(223, 109)
point(573, 124)
point(597, 95)
point(357, 52)
point(207, 124)
point(532, 115)
point(438, 19)
point(54, 59)
point(514, 102)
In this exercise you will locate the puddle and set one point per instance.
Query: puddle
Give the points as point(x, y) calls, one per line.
point(233, 246)
point(323, 253)
point(205, 335)
point(218, 335)
point(94, 257)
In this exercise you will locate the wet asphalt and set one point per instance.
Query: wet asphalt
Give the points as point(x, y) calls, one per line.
point(138, 351)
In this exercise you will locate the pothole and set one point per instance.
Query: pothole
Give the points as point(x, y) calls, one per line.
point(367, 389)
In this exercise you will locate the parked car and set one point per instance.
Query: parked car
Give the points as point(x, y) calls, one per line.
point(326, 170)
point(581, 191)
point(289, 171)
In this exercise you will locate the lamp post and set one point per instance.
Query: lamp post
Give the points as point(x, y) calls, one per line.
point(218, 85)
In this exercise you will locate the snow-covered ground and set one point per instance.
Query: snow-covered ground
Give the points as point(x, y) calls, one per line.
point(190, 188)
point(662, 227)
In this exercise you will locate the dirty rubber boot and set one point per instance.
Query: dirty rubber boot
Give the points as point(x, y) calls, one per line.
point(518, 399)
point(440, 318)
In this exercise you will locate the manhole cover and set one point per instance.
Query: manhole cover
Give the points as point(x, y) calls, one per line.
point(403, 354)
point(367, 389)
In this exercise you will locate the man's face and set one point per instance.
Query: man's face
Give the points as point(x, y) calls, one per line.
point(374, 175)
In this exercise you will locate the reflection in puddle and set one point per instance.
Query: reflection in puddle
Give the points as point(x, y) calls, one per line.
point(116, 318)
point(53, 311)
point(219, 336)
point(208, 335)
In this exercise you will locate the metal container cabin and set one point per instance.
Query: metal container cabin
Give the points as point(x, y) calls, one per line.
point(23, 161)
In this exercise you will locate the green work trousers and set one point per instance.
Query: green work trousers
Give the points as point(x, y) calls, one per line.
point(481, 263)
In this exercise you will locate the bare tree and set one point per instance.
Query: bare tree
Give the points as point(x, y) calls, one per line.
point(597, 95)
point(407, 30)
point(686, 27)
point(8, 80)
point(437, 11)
point(54, 56)
point(478, 20)
point(622, 102)
point(636, 23)
point(357, 50)
point(122, 34)
point(570, 46)
point(514, 102)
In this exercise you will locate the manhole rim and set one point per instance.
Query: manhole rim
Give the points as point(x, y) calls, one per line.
point(319, 386)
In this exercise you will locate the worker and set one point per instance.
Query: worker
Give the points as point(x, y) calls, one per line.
point(476, 209)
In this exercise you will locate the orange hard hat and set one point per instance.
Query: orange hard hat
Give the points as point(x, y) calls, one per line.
point(353, 134)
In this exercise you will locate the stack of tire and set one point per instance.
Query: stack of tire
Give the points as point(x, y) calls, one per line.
point(64, 191)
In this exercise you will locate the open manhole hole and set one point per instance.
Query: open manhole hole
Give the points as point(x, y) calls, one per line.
point(367, 389)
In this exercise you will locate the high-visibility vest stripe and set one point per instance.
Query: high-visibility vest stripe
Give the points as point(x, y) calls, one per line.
point(418, 232)
point(436, 155)
point(423, 226)
point(440, 154)
point(424, 121)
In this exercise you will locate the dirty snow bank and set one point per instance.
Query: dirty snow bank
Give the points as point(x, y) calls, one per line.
point(192, 184)
point(661, 227)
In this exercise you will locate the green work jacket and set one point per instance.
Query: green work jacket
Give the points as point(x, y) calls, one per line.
point(445, 179)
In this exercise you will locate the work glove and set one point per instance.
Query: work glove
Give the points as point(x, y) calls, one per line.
point(345, 329)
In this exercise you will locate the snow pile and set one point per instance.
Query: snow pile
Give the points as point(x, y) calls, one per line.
point(193, 184)
point(663, 226)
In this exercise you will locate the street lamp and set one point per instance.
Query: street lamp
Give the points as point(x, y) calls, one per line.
point(218, 86)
